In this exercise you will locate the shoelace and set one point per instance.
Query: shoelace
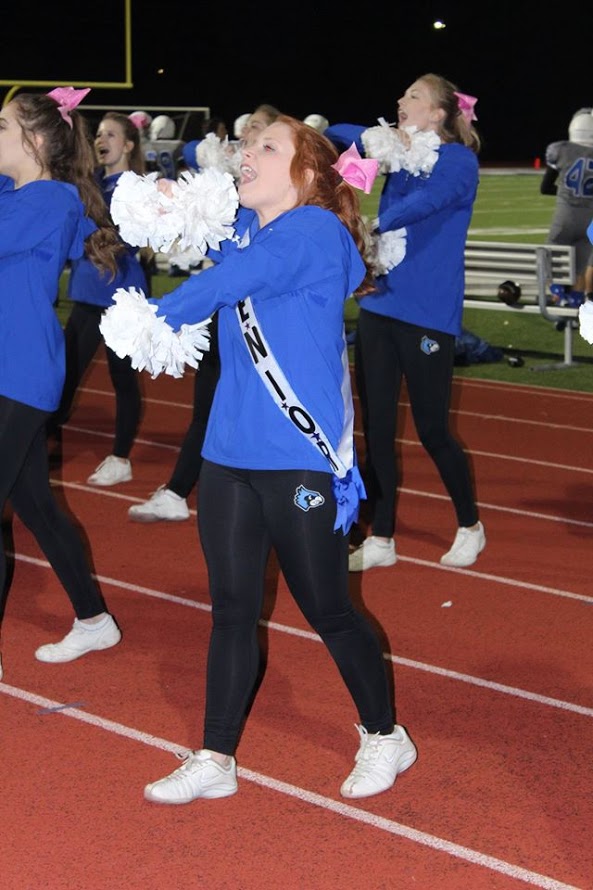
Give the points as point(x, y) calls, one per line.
point(371, 749)
point(368, 753)
point(192, 762)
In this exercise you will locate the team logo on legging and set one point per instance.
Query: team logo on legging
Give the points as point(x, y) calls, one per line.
point(429, 346)
point(306, 499)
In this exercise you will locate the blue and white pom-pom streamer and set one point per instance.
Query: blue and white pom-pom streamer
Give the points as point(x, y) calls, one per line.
point(130, 327)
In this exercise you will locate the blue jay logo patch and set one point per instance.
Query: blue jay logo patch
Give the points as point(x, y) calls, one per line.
point(306, 499)
point(429, 346)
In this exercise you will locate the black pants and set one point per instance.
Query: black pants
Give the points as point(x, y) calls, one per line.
point(24, 480)
point(241, 515)
point(83, 338)
point(189, 461)
point(386, 351)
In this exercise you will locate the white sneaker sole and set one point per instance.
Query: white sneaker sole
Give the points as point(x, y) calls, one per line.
point(152, 517)
point(457, 563)
point(208, 794)
point(48, 656)
point(101, 484)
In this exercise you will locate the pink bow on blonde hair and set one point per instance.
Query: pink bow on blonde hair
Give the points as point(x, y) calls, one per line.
point(466, 106)
point(356, 171)
point(67, 99)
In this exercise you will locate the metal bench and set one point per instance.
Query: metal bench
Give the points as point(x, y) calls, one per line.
point(534, 267)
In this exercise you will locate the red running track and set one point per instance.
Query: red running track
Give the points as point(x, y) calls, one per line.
point(493, 667)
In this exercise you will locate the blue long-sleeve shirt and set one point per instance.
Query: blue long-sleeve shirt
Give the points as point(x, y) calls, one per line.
point(42, 226)
point(298, 271)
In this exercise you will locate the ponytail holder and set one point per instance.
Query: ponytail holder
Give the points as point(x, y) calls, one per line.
point(466, 106)
point(356, 171)
point(67, 99)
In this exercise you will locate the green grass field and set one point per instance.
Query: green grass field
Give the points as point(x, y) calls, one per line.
point(509, 207)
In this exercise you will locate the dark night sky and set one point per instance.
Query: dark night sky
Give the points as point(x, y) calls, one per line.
point(526, 70)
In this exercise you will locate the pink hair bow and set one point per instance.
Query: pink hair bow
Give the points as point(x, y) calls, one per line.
point(68, 98)
point(466, 106)
point(356, 171)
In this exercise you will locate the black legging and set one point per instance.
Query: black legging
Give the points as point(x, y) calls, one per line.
point(82, 341)
point(241, 515)
point(24, 480)
point(386, 351)
point(189, 461)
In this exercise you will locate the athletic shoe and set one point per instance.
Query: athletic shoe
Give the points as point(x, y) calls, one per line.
point(466, 548)
point(372, 553)
point(198, 776)
point(162, 504)
point(111, 471)
point(82, 638)
point(379, 761)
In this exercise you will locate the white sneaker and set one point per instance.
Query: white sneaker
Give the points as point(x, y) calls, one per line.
point(466, 548)
point(198, 776)
point(379, 761)
point(82, 638)
point(372, 553)
point(111, 471)
point(162, 504)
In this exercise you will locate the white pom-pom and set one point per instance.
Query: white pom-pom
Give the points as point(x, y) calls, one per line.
point(208, 202)
point(194, 340)
point(126, 325)
point(216, 153)
point(197, 213)
point(384, 143)
point(586, 321)
point(131, 328)
point(389, 249)
point(423, 153)
point(185, 259)
point(144, 215)
point(234, 158)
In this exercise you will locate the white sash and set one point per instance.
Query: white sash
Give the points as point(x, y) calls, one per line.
point(280, 389)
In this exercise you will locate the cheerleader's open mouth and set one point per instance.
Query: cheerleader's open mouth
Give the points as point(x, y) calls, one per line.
point(248, 174)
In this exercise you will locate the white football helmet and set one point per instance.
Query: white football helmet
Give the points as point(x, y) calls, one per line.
point(162, 127)
point(580, 129)
point(239, 124)
point(317, 121)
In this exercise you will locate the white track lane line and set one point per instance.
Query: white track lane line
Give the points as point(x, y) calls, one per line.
point(404, 662)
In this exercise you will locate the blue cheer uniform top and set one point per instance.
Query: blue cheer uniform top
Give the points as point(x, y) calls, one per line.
point(42, 226)
point(298, 271)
